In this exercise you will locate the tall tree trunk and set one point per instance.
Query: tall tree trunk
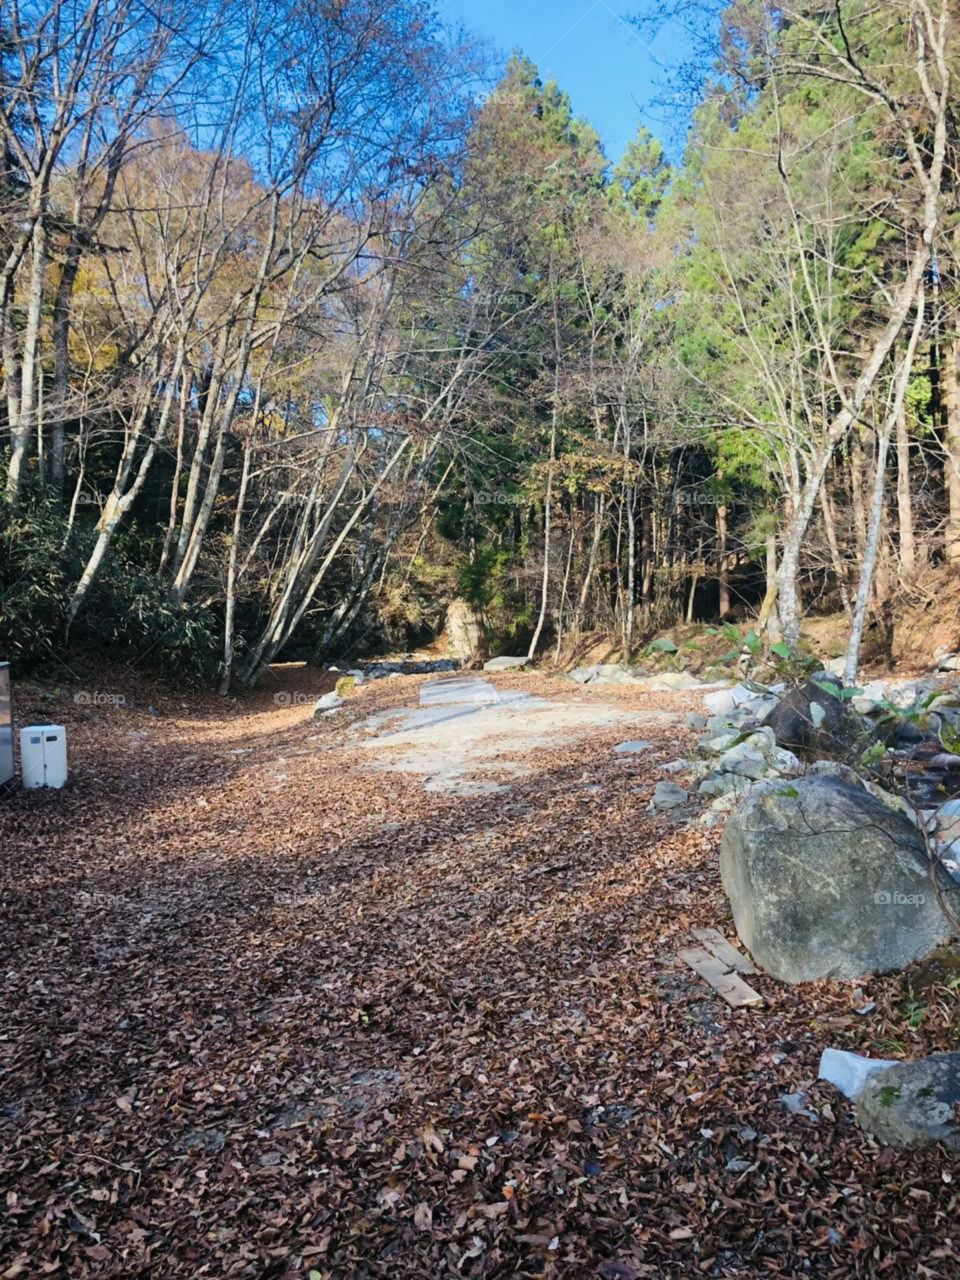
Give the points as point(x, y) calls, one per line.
point(21, 431)
point(547, 525)
point(629, 614)
point(907, 539)
point(229, 640)
point(950, 375)
point(566, 585)
point(768, 619)
point(62, 305)
point(869, 562)
point(646, 555)
point(830, 529)
point(694, 582)
point(723, 568)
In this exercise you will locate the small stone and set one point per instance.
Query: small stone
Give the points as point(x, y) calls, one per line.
point(329, 702)
point(632, 748)
point(667, 795)
point(795, 1103)
point(676, 766)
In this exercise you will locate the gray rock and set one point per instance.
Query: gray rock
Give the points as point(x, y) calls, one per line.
point(329, 702)
point(693, 720)
point(717, 744)
point(832, 730)
point(722, 784)
point(826, 882)
point(914, 1104)
point(945, 820)
point(754, 755)
point(759, 709)
point(676, 766)
point(721, 724)
point(505, 664)
point(740, 701)
point(784, 763)
point(745, 760)
point(667, 795)
point(834, 769)
point(632, 748)
point(949, 662)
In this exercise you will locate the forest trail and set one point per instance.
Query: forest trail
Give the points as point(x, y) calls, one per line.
point(271, 1011)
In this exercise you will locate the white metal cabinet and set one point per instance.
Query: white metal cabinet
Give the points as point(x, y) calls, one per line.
point(43, 755)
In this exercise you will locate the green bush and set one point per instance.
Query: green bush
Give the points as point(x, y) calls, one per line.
point(128, 612)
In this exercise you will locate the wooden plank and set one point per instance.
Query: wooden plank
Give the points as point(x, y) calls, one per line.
point(729, 985)
point(717, 944)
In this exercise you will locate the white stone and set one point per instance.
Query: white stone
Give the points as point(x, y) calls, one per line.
point(672, 680)
point(726, 701)
point(849, 1072)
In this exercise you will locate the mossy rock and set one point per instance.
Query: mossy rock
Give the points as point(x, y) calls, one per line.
point(938, 970)
point(345, 686)
point(712, 673)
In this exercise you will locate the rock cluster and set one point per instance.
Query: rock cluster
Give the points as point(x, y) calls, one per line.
point(617, 673)
point(407, 667)
point(736, 750)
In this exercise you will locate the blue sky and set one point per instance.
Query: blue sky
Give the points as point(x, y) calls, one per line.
point(614, 76)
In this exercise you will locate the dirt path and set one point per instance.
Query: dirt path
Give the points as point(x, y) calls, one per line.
point(271, 1009)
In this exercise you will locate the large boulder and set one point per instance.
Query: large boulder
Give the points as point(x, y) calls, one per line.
point(463, 631)
point(914, 1104)
point(826, 881)
point(814, 720)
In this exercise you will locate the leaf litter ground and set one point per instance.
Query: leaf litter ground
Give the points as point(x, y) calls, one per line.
point(268, 1013)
